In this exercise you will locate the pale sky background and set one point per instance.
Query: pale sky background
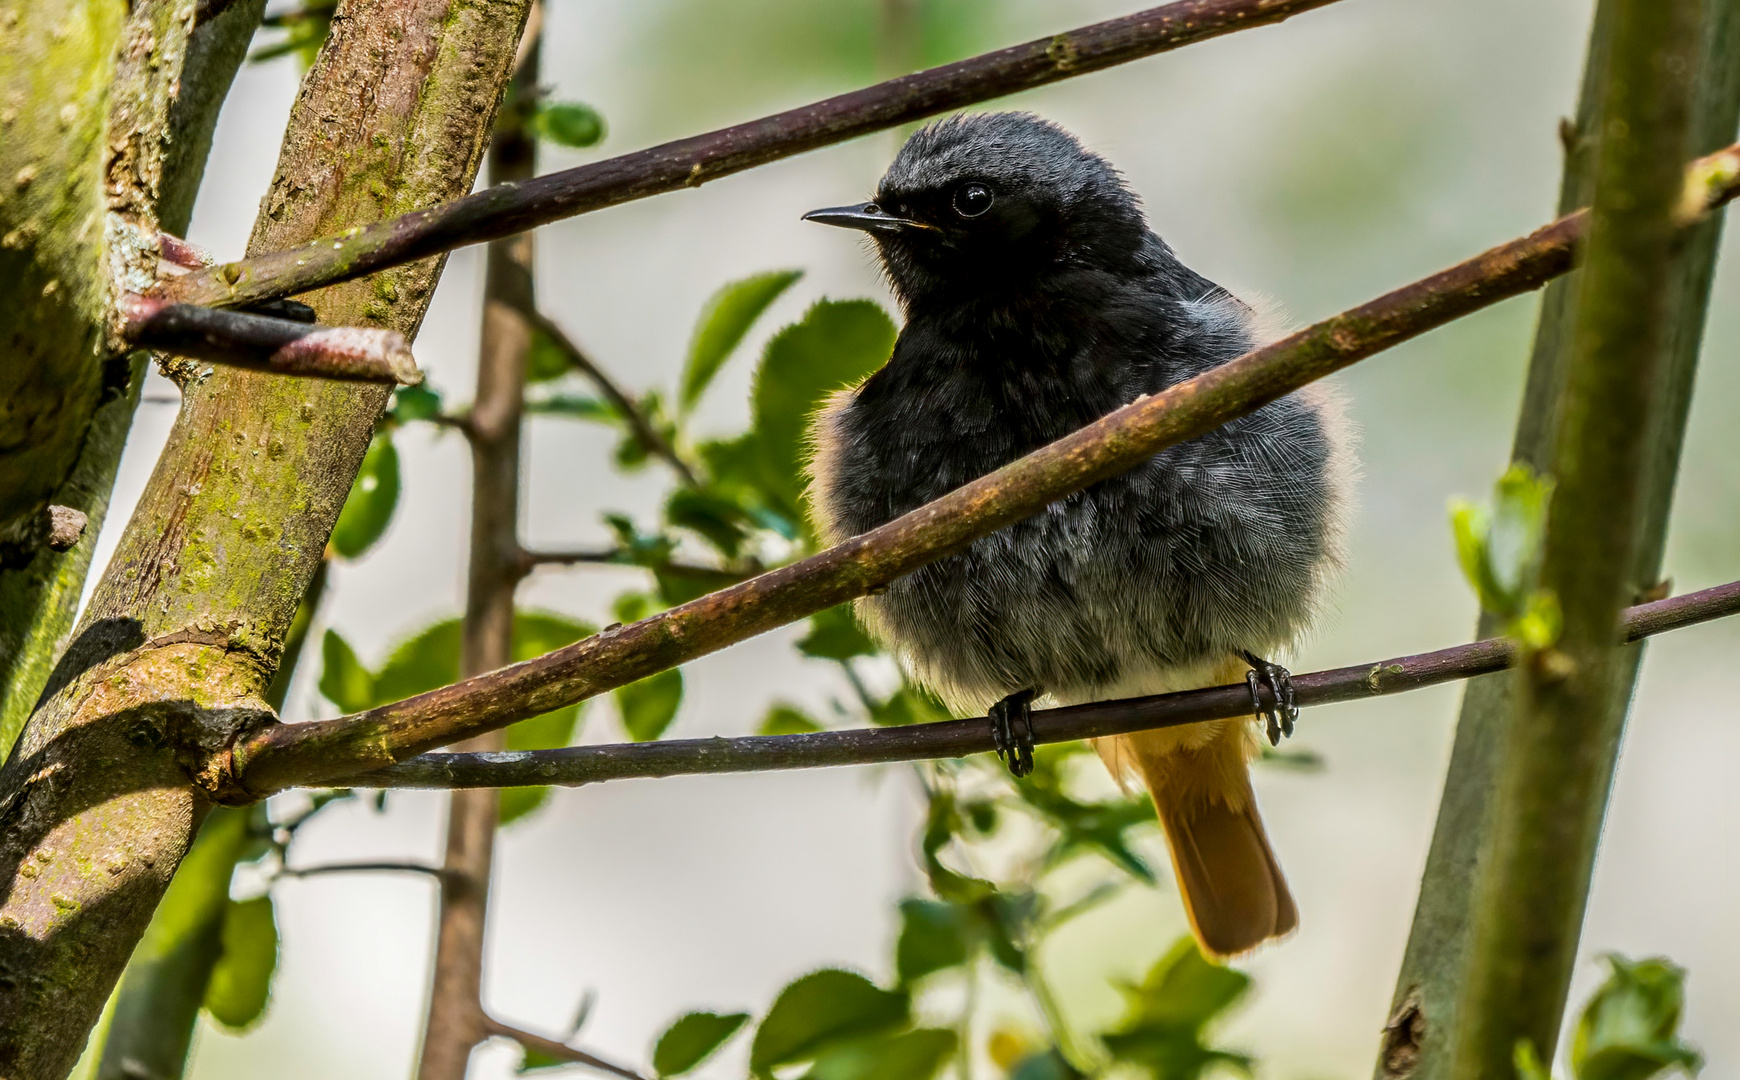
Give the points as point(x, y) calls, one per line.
point(1318, 163)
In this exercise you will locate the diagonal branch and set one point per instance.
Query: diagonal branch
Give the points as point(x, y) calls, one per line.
point(576, 765)
point(624, 405)
point(617, 557)
point(558, 1051)
point(510, 208)
point(291, 754)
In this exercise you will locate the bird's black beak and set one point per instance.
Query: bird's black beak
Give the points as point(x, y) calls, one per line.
point(866, 216)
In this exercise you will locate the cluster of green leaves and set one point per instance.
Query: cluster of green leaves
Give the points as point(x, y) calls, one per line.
point(304, 29)
point(834, 1024)
point(1500, 550)
point(1629, 1030)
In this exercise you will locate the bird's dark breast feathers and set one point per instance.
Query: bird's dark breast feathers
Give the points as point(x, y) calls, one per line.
point(1209, 546)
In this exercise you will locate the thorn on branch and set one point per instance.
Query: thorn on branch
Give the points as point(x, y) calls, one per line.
point(559, 1051)
point(265, 343)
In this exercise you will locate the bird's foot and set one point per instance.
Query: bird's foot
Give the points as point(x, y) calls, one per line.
point(1280, 711)
point(1012, 731)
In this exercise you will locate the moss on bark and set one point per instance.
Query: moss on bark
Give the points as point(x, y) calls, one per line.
point(192, 613)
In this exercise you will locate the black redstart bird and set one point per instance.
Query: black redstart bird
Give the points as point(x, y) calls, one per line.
point(1036, 301)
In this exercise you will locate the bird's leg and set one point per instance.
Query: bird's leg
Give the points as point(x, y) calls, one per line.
point(1012, 731)
point(1280, 712)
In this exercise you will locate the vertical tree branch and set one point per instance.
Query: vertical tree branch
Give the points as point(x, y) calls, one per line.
point(456, 1021)
point(1419, 1037)
point(186, 628)
point(1532, 886)
point(158, 999)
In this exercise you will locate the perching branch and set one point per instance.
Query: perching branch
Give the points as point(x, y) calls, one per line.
point(558, 1051)
point(576, 765)
point(624, 405)
point(264, 343)
point(510, 208)
point(291, 754)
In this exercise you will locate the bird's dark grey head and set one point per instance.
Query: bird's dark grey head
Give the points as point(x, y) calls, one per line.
point(994, 202)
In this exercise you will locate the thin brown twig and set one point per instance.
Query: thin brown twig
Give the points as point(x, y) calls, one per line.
point(560, 1051)
point(265, 343)
point(624, 405)
point(577, 765)
point(361, 868)
point(292, 754)
point(510, 208)
point(616, 557)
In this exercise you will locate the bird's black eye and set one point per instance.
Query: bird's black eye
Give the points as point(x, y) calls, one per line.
point(971, 200)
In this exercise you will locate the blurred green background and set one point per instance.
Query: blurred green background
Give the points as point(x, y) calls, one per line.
point(1314, 164)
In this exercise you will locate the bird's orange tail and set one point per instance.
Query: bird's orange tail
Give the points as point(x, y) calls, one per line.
point(1200, 779)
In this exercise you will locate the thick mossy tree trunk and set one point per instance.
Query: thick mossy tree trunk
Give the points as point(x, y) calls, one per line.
point(171, 660)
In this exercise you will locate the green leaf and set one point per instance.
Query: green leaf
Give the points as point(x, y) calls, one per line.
point(692, 1039)
point(1500, 550)
point(1166, 1014)
point(372, 500)
point(837, 344)
point(1007, 918)
point(727, 316)
point(911, 1055)
point(546, 361)
point(820, 1010)
point(1527, 1061)
point(567, 123)
point(649, 706)
point(787, 720)
point(908, 705)
point(835, 635)
point(242, 980)
point(574, 407)
point(424, 661)
point(413, 403)
point(721, 521)
point(1047, 1065)
point(536, 633)
point(933, 935)
point(343, 679)
point(1630, 1028)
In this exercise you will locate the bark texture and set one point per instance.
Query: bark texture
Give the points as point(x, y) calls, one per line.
point(185, 630)
point(1418, 1039)
point(456, 1022)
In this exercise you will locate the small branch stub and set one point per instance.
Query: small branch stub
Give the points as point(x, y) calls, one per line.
point(65, 527)
point(265, 343)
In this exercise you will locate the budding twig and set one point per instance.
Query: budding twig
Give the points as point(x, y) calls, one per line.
point(510, 208)
point(264, 343)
